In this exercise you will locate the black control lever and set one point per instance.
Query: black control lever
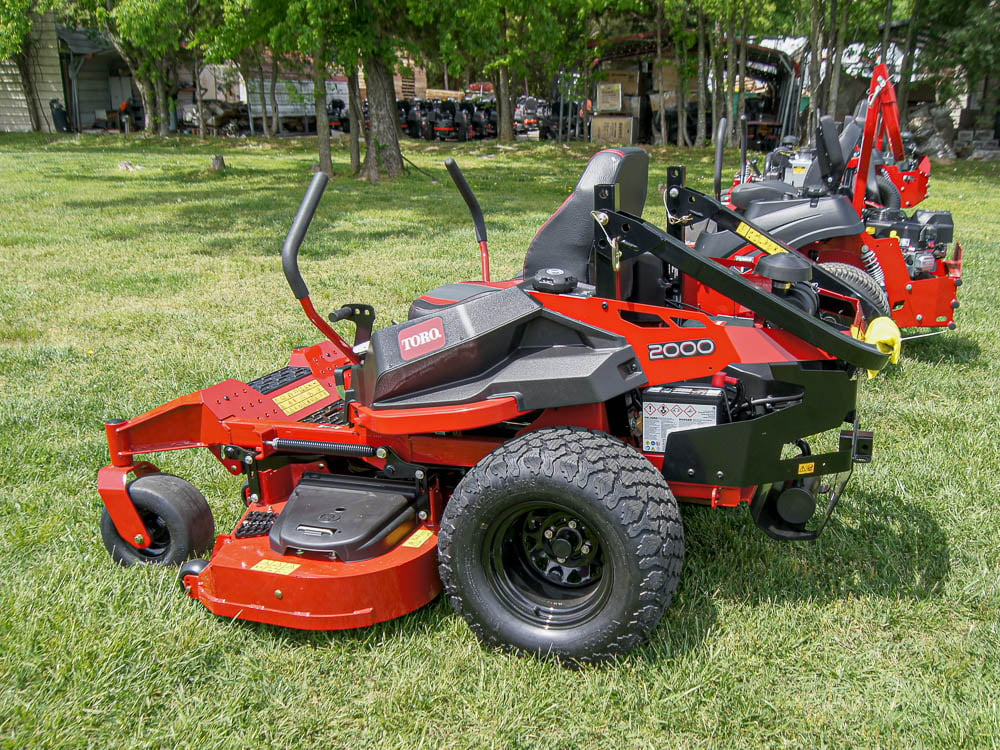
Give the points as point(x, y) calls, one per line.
point(363, 317)
point(474, 208)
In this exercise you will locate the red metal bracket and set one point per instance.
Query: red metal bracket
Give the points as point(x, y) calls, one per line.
point(112, 484)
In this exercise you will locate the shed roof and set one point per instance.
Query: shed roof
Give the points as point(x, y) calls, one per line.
point(84, 41)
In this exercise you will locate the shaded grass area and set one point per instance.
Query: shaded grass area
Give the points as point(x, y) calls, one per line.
point(120, 290)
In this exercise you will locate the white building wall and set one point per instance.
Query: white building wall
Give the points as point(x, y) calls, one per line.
point(46, 75)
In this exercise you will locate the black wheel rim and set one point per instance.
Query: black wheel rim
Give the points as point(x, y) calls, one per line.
point(159, 535)
point(547, 565)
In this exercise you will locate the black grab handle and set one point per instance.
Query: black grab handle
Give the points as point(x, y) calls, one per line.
point(290, 250)
point(470, 199)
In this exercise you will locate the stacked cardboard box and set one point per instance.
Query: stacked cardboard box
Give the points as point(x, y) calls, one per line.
point(616, 107)
point(628, 79)
point(609, 97)
point(665, 77)
point(616, 129)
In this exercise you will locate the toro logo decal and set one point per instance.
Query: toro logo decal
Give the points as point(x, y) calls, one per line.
point(423, 338)
point(675, 349)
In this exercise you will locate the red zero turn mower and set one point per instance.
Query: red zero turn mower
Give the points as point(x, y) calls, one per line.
point(524, 444)
point(855, 227)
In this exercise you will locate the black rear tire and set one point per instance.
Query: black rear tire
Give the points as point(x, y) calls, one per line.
point(861, 281)
point(563, 542)
point(177, 518)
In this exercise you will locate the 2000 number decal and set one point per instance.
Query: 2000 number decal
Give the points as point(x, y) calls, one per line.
point(675, 349)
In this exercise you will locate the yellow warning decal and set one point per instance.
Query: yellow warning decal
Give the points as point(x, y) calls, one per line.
point(418, 537)
point(807, 468)
point(275, 566)
point(750, 234)
point(299, 398)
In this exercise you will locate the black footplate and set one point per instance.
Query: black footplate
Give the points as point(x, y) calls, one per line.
point(256, 523)
point(330, 414)
point(345, 518)
point(279, 379)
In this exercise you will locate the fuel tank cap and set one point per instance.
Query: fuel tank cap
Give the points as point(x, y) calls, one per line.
point(553, 280)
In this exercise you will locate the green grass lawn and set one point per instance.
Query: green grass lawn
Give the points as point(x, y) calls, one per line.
point(121, 289)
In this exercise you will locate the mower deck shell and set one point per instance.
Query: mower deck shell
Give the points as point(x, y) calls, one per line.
point(246, 579)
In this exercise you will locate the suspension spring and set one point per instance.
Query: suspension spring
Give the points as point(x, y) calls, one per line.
point(872, 265)
point(325, 448)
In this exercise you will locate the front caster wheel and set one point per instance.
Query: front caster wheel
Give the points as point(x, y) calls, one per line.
point(177, 519)
point(193, 567)
point(563, 542)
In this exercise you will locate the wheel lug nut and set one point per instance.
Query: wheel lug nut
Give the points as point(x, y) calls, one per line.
point(585, 549)
point(572, 524)
point(561, 560)
point(549, 533)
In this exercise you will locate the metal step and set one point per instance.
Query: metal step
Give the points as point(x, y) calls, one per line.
point(279, 379)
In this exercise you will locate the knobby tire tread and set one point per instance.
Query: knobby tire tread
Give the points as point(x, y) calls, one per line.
point(628, 486)
point(862, 281)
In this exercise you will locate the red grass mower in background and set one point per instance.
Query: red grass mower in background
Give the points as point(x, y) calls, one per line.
point(521, 444)
point(814, 201)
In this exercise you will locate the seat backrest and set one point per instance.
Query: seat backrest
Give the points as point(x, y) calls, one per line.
point(828, 166)
point(832, 152)
point(566, 239)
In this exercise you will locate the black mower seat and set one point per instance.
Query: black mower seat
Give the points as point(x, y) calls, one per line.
point(447, 295)
point(823, 175)
point(768, 190)
point(566, 239)
point(833, 152)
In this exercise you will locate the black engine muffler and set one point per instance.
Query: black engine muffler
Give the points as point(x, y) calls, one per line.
point(783, 510)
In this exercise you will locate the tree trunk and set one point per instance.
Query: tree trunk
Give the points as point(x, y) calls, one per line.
point(702, 79)
point(886, 31)
point(837, 59)
point(833, 60)
point(505, 111)
point(29, 87)
point(264, 125)
point(815, 52)
point(146, 94)
point(505, 103)
point(741, 109)
point(273, 95)
point(198, 97)
point(384, 155)
point(357, 118)
point(718, 85)
point(319, 101)
point(731, 70)
point(681, 95)
point(902, 92)
point(162, 115)
point(662, 114)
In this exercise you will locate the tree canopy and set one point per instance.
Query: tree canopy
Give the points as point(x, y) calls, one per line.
point(519, 45)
